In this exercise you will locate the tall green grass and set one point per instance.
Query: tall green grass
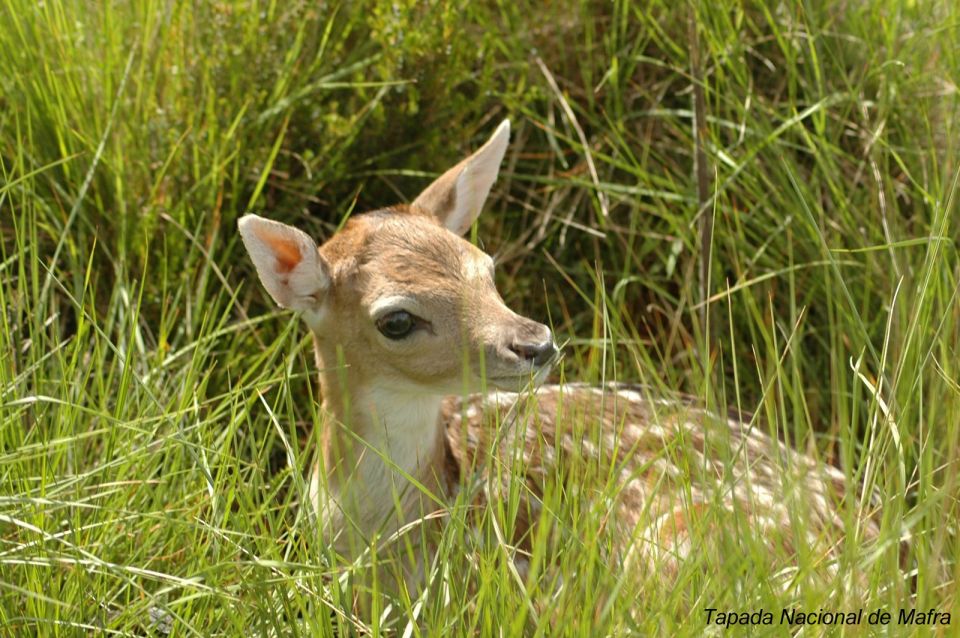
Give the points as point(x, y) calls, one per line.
point(156, 413)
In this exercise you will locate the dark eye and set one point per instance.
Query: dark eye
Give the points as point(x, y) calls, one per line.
point(396, 325)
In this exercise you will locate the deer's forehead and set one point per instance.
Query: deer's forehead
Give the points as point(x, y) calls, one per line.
point(382, 256)
point(424, 253)
point(432, 271)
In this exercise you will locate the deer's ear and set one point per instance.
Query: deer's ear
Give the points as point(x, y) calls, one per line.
point(288, 262)
point(457, 196)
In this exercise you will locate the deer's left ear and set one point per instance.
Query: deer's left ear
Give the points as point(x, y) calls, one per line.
point(457, 196)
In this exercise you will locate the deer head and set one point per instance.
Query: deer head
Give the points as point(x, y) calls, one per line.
point(407, 303)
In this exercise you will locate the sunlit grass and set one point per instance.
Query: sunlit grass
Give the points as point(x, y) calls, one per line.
point(156, 413)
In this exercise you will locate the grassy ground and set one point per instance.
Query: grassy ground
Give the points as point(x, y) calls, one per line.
point(155, 409)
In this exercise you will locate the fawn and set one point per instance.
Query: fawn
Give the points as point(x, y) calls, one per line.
point(407, 323)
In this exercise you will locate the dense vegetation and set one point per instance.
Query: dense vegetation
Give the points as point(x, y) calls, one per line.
point(156, 411)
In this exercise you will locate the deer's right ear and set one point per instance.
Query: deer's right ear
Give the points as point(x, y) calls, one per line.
point(288, 262)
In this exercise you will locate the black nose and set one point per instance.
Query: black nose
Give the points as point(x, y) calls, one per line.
point(538, 353)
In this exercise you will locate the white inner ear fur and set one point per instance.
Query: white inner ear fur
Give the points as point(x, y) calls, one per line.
point(457, 197)
point(287, 262)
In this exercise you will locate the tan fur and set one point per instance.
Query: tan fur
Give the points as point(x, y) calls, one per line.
point(558, 427)
point(393, 410)
point(409, 257)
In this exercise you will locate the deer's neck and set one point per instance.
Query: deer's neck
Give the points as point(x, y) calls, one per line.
point(377, 437)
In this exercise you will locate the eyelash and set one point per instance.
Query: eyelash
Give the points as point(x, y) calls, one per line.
point(416, 323)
